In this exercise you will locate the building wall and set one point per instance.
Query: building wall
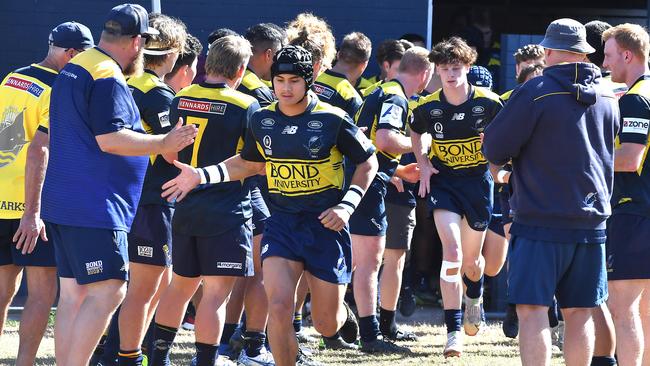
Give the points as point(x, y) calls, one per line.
point(25, 24)
point(510, 43)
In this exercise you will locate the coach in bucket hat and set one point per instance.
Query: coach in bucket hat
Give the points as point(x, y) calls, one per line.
point(567, 35)
point(568, 105)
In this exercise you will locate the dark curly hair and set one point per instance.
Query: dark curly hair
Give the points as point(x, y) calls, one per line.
point(453, 51)
point(529, 52)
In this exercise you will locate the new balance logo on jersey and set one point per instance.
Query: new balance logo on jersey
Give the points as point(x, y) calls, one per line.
point(458, 117)
point(290, 130)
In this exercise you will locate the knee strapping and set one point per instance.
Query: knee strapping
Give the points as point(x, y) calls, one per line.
point(446, 266)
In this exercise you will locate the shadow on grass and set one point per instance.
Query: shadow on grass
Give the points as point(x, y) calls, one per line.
point(11, 361)
point(40, 361)
point(364, 358)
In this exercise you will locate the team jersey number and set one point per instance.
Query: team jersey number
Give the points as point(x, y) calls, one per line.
point(200, 123)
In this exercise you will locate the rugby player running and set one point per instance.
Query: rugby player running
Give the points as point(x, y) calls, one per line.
point(301, 142)
point(456, 177)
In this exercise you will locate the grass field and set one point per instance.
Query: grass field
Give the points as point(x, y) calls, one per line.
point(490, 347)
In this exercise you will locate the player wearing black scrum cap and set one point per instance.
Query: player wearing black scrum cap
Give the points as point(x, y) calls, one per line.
point(301, 143)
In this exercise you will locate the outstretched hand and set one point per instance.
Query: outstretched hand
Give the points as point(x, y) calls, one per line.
point(179, 137)
point(177, 188)
point(410, 173)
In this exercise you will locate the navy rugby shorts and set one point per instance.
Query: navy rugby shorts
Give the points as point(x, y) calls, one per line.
point(90, 254)
point(628, 248)
point(227, 254)
point(42, 255)
point(470, 197)
point(150, 238)
point(369, 218)
point(326, 254)
point(573, 272)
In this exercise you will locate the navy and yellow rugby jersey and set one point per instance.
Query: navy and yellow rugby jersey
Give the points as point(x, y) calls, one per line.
point(363, 83)
point(304, 154)
point(259, 89)
point(370, 88)
point(252, 85)
point(24, 108)
point(387, 107)
point(505, 96)
point(406, 198)
point(221, 115)
point(85, 186)
point(154, 99)
point(456, 146)
point(333, 88)
point(632, 189)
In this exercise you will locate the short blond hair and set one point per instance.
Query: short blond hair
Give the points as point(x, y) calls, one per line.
point(355, 48)
point(630, 37)
point(415, 61)
point(226, 55)
point(319, 32)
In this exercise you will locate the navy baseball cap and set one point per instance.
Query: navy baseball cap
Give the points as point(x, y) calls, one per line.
point(71, 35)
point(129, 20)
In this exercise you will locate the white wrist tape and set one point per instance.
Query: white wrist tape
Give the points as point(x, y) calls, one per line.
point(501, 176)
point(352, 198)
point(214, 174)
point(201, 175)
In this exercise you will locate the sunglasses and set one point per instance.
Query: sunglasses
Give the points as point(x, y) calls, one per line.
point(145, 36)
